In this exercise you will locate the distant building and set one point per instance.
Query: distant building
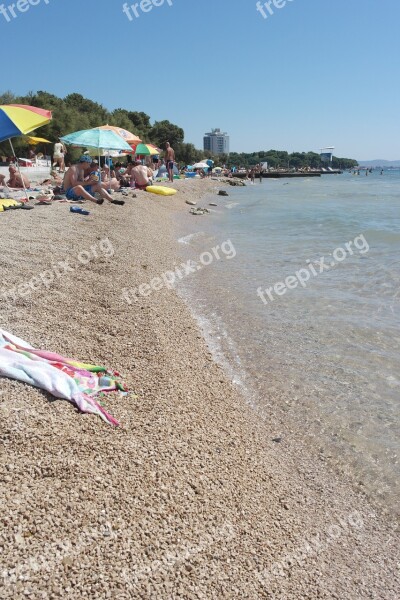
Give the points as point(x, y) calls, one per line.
point(326, 154)
point(216, 142)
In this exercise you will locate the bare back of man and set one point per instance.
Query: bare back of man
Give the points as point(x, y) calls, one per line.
point(142, 176)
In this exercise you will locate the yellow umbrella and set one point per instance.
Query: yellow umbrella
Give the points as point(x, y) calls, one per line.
point(35, 140)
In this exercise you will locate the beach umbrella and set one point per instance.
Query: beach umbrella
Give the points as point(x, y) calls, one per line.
point(200, 165)
point(126, 135)
point(20, 119)
point(37, 140)
point(97, 138)
point(147, 150)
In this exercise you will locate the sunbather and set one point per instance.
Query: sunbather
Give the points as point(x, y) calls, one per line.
point(17, 180)
point(76, 188)
point(54, 179)
point(108, 181)
point(141, 175)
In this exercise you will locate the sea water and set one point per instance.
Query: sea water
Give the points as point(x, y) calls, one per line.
point(326, 353)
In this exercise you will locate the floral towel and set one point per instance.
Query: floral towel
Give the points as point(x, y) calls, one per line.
point(77, 382)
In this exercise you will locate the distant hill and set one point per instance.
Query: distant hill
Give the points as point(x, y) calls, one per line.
point(379, 163)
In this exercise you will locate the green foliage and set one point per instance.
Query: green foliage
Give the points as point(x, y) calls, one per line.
point(187, 153)
point(164, 131)
point(281, 159)
point(74, 113)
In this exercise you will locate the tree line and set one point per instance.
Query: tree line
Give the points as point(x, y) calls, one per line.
point(74, 113)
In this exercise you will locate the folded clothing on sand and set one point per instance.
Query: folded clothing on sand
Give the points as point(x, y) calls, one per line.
point(64, 378)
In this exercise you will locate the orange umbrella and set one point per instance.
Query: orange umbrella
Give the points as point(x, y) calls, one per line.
point(128, 136)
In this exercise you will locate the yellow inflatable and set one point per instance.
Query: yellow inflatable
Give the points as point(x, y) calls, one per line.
point(162, 191)
point(6, 203)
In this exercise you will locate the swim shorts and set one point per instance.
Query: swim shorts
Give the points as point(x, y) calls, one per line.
point(72, 196)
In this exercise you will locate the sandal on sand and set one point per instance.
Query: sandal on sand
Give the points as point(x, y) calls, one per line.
point(119, 202)
point(100, 201)
point(79, 210)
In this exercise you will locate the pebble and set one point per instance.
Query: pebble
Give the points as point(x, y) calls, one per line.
point(74, 477)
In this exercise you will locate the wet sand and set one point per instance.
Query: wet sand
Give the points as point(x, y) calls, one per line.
point(191, 497)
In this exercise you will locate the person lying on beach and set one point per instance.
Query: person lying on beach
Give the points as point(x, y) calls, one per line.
point(17, 180)
point(54, 179)
point(141, 176)
point(76, 188)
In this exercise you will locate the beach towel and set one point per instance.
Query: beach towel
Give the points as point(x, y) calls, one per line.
point(79, 383)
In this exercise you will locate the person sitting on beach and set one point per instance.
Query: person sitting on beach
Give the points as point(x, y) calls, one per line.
point(76, 188)
point(2, 180)
point(17, 180)
point(108, 180)
point(141, 176)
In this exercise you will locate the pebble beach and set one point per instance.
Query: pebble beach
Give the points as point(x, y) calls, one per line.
point(193, 496)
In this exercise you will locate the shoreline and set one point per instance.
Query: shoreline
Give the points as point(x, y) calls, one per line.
point(191, 496)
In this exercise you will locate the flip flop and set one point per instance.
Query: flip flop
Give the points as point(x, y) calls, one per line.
point(77, 209)
point(100, 201)
point(119, 202)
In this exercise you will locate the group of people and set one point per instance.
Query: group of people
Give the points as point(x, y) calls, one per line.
point(85, 179)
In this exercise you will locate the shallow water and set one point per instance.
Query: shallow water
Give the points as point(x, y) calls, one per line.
point(330, 346)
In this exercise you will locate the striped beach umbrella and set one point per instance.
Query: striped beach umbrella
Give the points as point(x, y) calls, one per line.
point(20, 119)
point(146, 150)
point(126, 135)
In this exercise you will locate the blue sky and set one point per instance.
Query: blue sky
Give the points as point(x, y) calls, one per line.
point(314, 73)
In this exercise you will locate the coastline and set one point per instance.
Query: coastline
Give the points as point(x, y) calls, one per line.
point(190, 497)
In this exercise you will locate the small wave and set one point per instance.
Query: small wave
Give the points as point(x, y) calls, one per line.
point(186, 239)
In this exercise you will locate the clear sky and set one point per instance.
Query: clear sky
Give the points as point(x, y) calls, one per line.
point(314, 73)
